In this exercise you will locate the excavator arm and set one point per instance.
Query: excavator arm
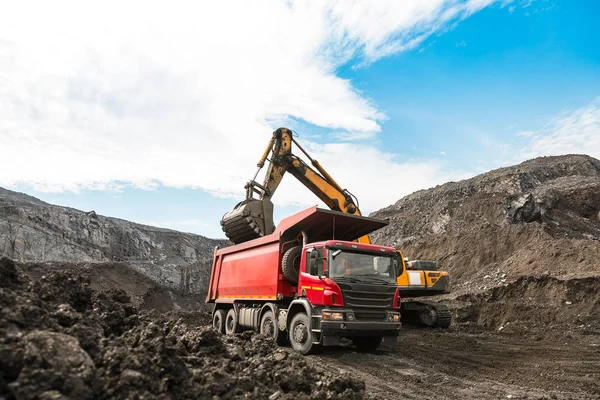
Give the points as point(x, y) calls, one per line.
point(247, 220)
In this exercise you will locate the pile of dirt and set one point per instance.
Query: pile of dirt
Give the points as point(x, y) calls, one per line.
point(535, 304)
point(59, 337)
point(144, 293)
point(538, 217)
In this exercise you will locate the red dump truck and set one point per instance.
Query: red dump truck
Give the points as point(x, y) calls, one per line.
point(310, 283)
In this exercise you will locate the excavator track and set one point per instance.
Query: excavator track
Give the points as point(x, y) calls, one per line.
point(426, 314)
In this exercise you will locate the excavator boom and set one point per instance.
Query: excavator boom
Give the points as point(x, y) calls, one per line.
point(253, 217)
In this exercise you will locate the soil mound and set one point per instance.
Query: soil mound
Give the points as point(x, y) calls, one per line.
point(541, 216)
point(60, 337)
point(535, 304)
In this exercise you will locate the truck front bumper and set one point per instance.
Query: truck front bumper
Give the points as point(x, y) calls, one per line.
point(356, 328)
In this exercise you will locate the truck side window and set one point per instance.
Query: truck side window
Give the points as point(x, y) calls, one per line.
point(320, 262)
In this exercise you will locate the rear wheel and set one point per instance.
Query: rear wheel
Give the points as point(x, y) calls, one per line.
point(231, 323)
point(367, 343)
point(301, 336)
point(268, 326)
point(219, 321)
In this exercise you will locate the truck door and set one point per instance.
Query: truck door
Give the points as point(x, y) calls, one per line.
point(312, 286)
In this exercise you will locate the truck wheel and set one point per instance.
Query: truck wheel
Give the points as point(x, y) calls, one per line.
point(367, 343)
point(268, 326)
point(290, 263)
point(231, 323)
point(301, 336)
point(219, 321)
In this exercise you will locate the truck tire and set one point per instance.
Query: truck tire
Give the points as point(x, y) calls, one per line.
point(301, 336)
point(232, 325)
point(290, 263)
point(367, 343)
point(219, 321)
point(268, 326)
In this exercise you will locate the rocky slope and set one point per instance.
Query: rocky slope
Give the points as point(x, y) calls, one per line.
point(539, 219)
point(32, 230)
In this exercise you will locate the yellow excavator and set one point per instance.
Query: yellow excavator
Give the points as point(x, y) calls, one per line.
point(253, 218)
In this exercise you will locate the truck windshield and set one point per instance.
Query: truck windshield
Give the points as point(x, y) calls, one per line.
point(360, 266)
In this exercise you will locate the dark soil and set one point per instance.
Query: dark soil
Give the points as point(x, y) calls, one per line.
point(59, 337)
point(473, 363)
point(532, 304)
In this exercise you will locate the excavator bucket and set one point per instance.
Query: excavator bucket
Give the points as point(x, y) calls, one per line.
point(250, 219)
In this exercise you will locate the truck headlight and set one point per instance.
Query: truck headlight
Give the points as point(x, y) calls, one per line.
point(394, 317)
point(334, 316)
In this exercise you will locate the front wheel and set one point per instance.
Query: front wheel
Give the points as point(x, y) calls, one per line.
point(301, 336)
point(367, 343)
point(268, 326)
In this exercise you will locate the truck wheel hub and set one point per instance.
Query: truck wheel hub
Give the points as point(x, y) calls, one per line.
point(268, 327)
point(300, 333)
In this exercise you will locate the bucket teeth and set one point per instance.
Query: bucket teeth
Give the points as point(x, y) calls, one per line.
point(240, 228)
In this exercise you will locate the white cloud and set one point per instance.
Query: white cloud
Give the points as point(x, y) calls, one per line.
point(571, 132)
point(187, 94)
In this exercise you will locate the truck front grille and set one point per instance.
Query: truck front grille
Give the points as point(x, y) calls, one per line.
point(369, 302)
point(362, 315)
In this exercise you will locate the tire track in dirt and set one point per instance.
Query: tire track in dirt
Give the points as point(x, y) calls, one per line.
point(482, 365)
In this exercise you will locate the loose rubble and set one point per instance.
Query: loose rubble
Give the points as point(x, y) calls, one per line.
point(58, 337)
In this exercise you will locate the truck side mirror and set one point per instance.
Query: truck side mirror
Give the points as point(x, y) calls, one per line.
point(313, 264)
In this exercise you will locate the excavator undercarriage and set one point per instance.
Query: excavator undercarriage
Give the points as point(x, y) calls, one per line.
point(253, 218)
point(425, 314)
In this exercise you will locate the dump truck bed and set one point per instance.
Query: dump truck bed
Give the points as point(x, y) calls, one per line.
point(252, 270)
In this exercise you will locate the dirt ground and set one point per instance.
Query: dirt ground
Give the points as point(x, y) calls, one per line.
point(60, 339)
point(78, 333)
point(476, 364)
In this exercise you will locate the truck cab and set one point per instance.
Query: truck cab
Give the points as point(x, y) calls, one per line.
point(351, 288)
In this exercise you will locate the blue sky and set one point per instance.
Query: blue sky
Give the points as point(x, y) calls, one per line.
point(165, 129)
